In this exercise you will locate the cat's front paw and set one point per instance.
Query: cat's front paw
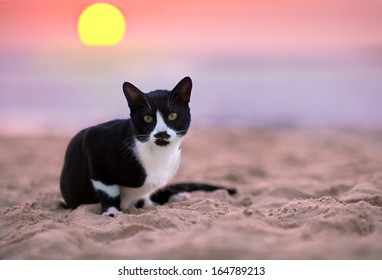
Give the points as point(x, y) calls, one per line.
point(112, 212)
point(148, 204)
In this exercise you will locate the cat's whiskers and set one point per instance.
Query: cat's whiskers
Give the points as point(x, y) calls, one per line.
point(125, 148)
point(127, 143)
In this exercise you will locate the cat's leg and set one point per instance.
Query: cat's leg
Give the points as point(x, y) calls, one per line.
point(148, 203)
point(110, 198)
point(136, 197)
point(144, 202)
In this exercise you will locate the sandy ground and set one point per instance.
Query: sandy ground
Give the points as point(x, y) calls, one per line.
point(301, 195)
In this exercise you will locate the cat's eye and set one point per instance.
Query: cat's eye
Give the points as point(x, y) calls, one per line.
point(148, 119)
point(172, 116)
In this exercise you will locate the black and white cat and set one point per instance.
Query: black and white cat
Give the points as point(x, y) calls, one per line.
point(127, 163)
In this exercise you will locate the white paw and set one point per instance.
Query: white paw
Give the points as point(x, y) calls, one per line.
point(149, 204)
point(112, 212)
point(179, 197)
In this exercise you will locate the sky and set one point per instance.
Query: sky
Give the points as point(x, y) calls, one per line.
point(260, 62)
point(261, 25)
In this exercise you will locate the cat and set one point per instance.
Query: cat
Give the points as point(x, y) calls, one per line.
point(127, 163)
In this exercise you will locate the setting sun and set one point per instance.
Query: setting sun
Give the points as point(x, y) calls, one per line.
point(101, 25)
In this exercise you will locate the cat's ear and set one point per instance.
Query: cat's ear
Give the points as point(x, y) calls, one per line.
point(133, 95)
point(182, 91)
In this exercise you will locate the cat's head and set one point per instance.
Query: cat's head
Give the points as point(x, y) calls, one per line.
point(160, 116)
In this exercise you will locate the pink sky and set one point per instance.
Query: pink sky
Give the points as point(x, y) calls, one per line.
point(274, 26)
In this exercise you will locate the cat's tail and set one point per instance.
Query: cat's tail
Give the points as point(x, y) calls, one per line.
point(170, 192)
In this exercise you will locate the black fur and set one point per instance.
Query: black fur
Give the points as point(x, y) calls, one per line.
point(98, 153)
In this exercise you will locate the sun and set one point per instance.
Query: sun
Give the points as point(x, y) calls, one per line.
point(101, 25)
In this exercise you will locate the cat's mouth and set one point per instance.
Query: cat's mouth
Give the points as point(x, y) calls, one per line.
point(161, 138)
point(161, 142)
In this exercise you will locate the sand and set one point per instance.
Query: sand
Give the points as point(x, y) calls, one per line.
point(302, 194)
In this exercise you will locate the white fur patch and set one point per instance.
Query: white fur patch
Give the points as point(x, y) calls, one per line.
point(148, 203)
point(179, 197)
point(112, 212)
point(159, 162)
point(112, 190)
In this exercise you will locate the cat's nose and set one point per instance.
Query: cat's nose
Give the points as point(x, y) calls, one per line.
point(162, 135)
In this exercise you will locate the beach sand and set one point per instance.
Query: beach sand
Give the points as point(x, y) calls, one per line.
point(302, 194)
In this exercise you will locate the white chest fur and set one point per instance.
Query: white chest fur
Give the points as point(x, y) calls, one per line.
point(160, 164)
